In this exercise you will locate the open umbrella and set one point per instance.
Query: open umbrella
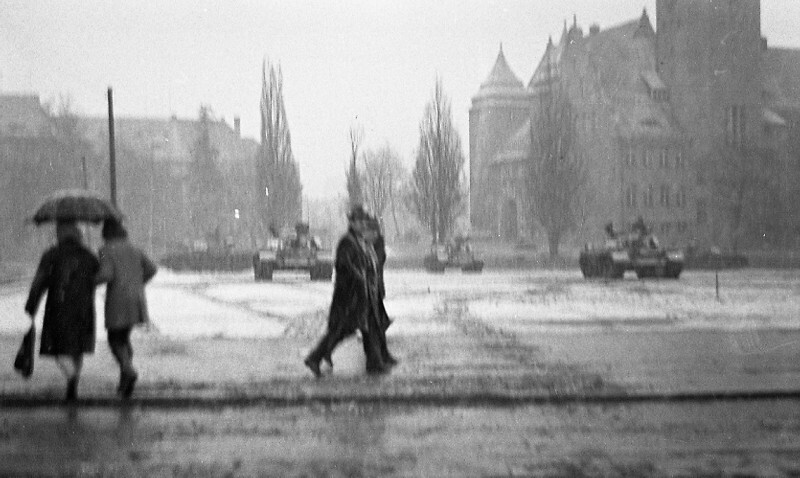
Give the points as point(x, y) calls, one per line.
point(75, 205)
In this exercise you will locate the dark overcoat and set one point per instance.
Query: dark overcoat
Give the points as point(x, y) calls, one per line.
point(126, 269)
point(66, 272)
point(350, 304)
point(380, 252)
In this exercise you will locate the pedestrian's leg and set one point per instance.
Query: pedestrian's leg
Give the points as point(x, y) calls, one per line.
point(386, 356)
point(70, 366)
point(372, 350)
point(119, 341)
point(316, 355)
point(66, 366)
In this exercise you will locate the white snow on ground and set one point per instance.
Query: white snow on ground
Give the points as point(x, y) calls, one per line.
point(173, 312)
point(233, 305)
point(181, 314)
point(281, 300)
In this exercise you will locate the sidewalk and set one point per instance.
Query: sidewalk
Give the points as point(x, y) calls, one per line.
point(559, 368)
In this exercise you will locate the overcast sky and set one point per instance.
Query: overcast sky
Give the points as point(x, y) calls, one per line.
point(369, 62)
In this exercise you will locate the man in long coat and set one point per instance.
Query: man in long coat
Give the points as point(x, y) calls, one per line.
point(66, 272)
point(126, 269)
point(352, 307)
point(376, 240)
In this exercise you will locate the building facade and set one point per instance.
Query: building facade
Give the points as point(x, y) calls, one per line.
point(652, 107)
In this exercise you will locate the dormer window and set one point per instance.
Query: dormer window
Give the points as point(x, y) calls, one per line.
point(659, 95)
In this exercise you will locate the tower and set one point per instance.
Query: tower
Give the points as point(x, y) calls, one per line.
point(708, 53)
point(499, 108)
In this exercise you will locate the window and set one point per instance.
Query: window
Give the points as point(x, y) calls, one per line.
point(701, 212)
point(646, 158)
point(659, 94)
point(649, 195)
point(680, 197)
point(630, 158)
point(663, 159)
point(664, 196)
point(734, 125)
point(630, 196)
point(679, 160)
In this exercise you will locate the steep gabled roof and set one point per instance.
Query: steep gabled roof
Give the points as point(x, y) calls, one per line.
point(501, 80)
point(616, 67)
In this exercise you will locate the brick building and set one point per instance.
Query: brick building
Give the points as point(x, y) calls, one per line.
point(651, 108)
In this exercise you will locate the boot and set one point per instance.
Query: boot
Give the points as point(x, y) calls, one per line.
point(127, 382)
point(313, 364)
point(72, 389)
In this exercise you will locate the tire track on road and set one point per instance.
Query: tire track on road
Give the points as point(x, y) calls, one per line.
point(526, 364)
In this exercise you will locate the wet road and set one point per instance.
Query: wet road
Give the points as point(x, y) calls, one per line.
point(508, 329)
point(752, 438)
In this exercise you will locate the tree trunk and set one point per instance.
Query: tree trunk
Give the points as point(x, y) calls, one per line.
point(394, 215)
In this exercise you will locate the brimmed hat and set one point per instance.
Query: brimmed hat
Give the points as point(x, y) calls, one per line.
point(358, 213)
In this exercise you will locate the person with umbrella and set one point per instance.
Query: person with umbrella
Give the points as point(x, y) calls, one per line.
point(66, 272)
point(126, 269)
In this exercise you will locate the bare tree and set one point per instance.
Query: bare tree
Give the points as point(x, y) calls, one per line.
point(278, 178)
point(205, 180)
point(355, 193)
point(381, 179)
point(556, 174)
point(438, 193)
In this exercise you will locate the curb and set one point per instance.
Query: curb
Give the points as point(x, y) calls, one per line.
point(486, 399)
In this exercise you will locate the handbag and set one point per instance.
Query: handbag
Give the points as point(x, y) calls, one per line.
point(24, 361)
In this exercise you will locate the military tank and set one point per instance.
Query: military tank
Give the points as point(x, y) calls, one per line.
point(299, 251)
point(638, 251)
point(457, 253)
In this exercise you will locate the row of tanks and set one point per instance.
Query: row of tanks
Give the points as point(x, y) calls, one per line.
point(301, 251)
point(638, 250)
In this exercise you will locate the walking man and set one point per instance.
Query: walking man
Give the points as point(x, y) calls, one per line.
point(353, 307)
point(378, 252)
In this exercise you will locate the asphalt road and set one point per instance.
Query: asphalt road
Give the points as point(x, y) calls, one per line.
point(661, 378)
point(726, 438)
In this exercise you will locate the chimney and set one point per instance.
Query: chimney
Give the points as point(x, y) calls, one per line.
point(237, 126)
point(594, 29)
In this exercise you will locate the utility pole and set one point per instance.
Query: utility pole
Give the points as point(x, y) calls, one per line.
point(111, 149)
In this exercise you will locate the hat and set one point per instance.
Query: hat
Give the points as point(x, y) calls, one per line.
point(357, 213)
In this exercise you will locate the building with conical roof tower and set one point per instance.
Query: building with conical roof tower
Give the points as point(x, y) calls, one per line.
point(498, 110)
point(651, 107)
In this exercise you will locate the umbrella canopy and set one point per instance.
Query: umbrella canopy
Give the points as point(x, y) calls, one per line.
point(75, 205)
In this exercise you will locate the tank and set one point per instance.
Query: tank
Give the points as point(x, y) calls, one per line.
point(457, 253)
point(298, 251)
point(638, 251)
